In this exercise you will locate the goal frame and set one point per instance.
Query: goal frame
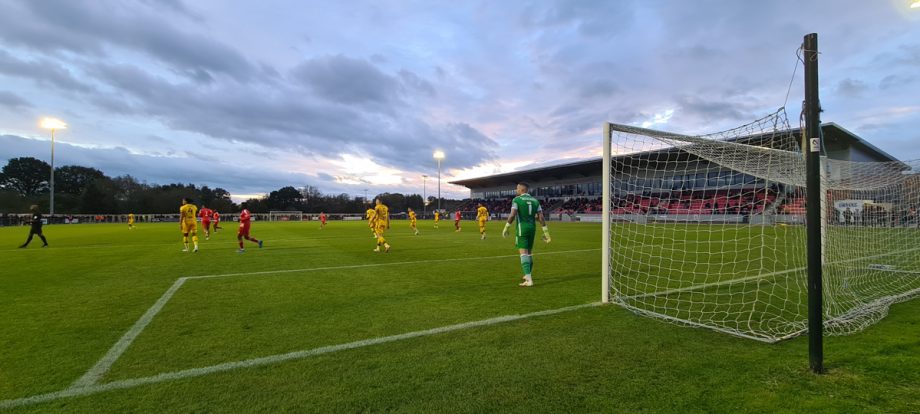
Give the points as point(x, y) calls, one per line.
point(274, 213)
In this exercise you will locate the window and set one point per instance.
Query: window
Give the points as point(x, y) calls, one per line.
point(713, 179)
point(725, 178)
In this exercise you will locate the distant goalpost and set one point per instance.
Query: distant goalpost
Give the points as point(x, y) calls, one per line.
point(710, 231)
point(275, 215)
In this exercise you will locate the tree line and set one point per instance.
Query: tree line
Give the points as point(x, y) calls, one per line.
point(84, 190)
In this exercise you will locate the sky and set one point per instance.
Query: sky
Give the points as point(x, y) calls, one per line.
point(348, 96)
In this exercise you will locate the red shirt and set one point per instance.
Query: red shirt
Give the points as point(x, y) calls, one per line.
point(216, 216)
point(322, 217)
point(457, 216)
point(244, 218)
point(205, 214)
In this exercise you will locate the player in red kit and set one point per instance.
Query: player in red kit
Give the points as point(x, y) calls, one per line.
point(457, 220)
point(243, 233)
point(205, 214)
point(322, 221)
point(215, 218)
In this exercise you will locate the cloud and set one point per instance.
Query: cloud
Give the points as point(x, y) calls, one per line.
point(347, 80)
point(483, 81)
point(896, 81)
point(852, 88)
point(176, 6)
point(12, 101)
point(92, 27)
point(715, 110)
point(351, 105)
point(592, 18)
point(43, 72)
point(154, 169)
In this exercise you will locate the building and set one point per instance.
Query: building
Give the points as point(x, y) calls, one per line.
point(583, 178)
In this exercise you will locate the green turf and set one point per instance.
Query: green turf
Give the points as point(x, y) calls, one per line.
point(63, 307)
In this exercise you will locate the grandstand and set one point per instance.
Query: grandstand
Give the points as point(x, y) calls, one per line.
point(574, 190)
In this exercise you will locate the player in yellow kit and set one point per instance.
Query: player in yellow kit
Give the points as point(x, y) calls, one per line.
point(482, 214)
point(369, 215)
point(381, 224)
point(437, 218)
point(188, 214)
point(413, 223)
point(131, 221)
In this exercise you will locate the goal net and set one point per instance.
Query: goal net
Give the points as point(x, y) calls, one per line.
point(285, 215)
point(709, 231)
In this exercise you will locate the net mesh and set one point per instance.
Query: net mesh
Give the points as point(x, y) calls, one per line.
point(285, 215)
point(709, 231)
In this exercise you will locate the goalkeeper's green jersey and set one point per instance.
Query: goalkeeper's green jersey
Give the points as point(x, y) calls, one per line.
point(527, 208)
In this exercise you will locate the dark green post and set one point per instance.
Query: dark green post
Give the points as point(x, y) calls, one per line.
point(813, 218)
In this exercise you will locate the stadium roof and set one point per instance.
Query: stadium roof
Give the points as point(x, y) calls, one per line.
point(833, 134)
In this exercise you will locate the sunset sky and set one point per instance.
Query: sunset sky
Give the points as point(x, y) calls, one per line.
point(347, 96)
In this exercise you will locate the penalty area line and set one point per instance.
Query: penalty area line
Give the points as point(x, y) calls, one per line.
point(80, 391)
point(97, 371)
point(94, 374)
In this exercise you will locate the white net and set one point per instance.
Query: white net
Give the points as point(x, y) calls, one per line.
point(285, 215)
point(709, 231)
point(871, 251)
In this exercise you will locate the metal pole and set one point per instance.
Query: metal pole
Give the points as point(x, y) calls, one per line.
point(424, 196)
point(605, 231)
point(813, 214)
point(439, 184)
point(51, 209)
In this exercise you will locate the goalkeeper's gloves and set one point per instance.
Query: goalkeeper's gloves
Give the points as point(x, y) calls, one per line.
point(505, 231)
point(546, 236)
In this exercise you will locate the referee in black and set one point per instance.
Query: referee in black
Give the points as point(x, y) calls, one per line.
point(36, 228)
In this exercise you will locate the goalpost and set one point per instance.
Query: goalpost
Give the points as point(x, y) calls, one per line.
point(710, 231)
point(285, 215)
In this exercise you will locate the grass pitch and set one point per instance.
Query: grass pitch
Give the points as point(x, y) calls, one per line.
point(63, 308)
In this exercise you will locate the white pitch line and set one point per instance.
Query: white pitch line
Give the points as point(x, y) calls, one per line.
point(273, 359)
point(761, 276)
point(94, 374)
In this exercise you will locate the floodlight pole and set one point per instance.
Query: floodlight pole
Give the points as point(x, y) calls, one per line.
point(813, 198)
point(51, 202)
point(424, 196)
point(439, 185)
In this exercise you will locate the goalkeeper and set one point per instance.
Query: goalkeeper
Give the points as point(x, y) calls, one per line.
point(527, 210)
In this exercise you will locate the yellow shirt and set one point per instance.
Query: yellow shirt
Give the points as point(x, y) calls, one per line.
point(130, 217)
point(382, 216)
point(482, 214)
point(188, 213)
point(370, 214)
point(412, 215)
point(437, 216)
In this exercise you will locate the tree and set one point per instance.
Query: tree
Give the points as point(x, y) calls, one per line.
point(310, 192)
point(395, 201)
point(222, 201)
point(99, 198)
point(256, 205)
point(286, 198)
point(415, 202)
point(26, 175)
point(72, 179)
